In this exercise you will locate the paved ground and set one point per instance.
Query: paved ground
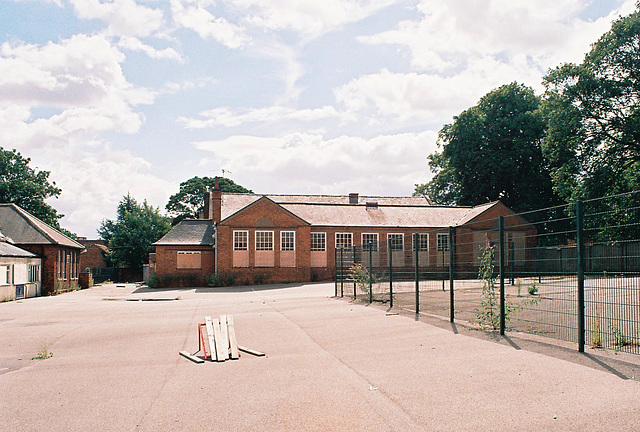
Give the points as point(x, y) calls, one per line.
point(330, 366)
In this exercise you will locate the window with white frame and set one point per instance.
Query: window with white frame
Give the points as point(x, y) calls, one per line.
point(5, 275)
point(264, 240)
point(423, 242)
point(397, 241)
point(344, 240)
point(287, 240)
point(443, 242)
point(318, 242)
point(241, 240)
point(34, 273)
point(370, 239)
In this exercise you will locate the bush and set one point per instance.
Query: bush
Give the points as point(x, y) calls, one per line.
point(221, 280)
point(153, 280)
point(532, 290)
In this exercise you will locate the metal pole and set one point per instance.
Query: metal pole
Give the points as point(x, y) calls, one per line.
point(501, 252)
point(354, 281)
point(580, 252)
point(370, 273)
point(390, 273)
point(335, 272)
point(341, 273)
point(417, 271)
point(451, 256)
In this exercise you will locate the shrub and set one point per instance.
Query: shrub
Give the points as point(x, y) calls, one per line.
point(153, 280)
point(259, 278)
point(532, 289)
point(221, 279)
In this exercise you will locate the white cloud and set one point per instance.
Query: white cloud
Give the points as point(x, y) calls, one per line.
point(226, 117)
point(306, 163)
point(193, 15)
point(310, 18)
point(135, 44)
point(124, 17)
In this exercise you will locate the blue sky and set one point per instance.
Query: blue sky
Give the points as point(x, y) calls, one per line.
point(306, 96)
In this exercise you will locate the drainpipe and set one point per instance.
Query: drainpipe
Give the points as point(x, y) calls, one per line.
point(215, 246)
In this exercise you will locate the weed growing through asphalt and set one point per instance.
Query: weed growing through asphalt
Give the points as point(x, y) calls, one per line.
point(43, 353)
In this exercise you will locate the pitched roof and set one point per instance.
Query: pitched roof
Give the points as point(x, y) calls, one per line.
point(24, 228)
point(232, 202)
point(9, 250)
point(189, 232)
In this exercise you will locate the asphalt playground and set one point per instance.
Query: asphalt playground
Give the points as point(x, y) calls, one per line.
point(330, 365)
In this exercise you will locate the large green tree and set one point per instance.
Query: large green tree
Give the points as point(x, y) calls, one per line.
point(190, 199)
point(133, 232)
point(26, 187)
point(593, 112)
point(492, 152)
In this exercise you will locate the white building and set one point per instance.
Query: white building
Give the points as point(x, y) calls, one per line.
point(20, 272)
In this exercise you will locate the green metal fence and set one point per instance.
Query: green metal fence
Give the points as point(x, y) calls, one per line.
point(570, 272)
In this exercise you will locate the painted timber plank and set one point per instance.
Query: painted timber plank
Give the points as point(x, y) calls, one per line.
point(225, 336)
point(220, 356)
point(233, 343)
point(210, 337)
point(250, 351)
point(191, 357)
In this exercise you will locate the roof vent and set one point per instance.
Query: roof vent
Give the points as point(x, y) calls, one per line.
point(353, 198)
point(372, 205)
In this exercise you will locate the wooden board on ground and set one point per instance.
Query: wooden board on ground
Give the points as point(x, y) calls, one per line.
point(225, 335)
point(210, 337)
point(250, 351)
point(220, 351)
point(233, 343)
point(191, 357)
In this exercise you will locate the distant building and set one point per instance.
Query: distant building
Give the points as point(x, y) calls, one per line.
point(95, 254)
point(59, 253)
point(277, 238)
point(19, 271)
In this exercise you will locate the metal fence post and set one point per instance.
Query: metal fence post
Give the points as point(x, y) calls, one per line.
point(390, 252)
point(579, 253)
point(417, 271)
point(451, 275)
point(354, 281)
point(370, 272)
point(341, 273)
point(501, 261)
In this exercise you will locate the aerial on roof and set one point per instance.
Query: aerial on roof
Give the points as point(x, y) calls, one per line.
point(24, 228)
point(190, 232)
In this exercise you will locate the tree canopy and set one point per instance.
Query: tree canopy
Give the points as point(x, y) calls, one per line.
point(492, 152)
point(132, 234)
point(593, 114)
point(190, 199)
point(26, 187)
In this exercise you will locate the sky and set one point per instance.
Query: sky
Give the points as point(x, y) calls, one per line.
point(281, 96)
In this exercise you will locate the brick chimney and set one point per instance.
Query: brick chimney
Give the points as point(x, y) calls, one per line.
point(215, 203)
point(205, 213)
point(353, 198)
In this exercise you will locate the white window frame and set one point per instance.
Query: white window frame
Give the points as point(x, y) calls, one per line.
point(237, 245)
point(423, 239)
point(314, 247)
point(262, 244)
point(391, 236)
point(442, 243)
point(374, 244)
point(346, 236)
point(293, 241)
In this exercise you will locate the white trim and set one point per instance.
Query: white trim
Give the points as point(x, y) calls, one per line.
point(401, 235)
point(294, 240)
point(256, 240)
point(246, 242)
point(324, 249)
point(350, 235)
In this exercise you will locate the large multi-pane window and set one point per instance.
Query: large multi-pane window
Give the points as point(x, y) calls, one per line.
point(370, 239)
point(287, 240)
point(443, 242)
point(344, 240)
point(264, 240)
point(241, 240)
point(423, 242)
point(397, 241)
point(318, 242)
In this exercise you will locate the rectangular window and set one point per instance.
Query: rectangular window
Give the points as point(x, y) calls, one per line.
point(64, 264)
point(34, 273)
point(370, 239)
point(59, 264)
point(443, 242)
point(287, 240)
point(264, 240)
point(397, 241)
point(5, 275)
point(189, 260)
point(344, 240)
point(423, 242)
point(318, 242)
point(241, 240)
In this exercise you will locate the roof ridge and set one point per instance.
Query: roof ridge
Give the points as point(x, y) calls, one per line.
point(31, 220)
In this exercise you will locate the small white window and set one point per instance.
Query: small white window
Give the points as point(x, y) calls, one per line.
point(397, 241)
point(370, 240)
point(443, 242)
point(423, 242)
point(264, 240)
point(344, 240)
point(318, 242)
point(287, 240)
point(241, 240)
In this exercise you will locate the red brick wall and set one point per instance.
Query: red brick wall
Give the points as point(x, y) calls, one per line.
point(50, 281)
point(92, 257)
point(169, 275)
